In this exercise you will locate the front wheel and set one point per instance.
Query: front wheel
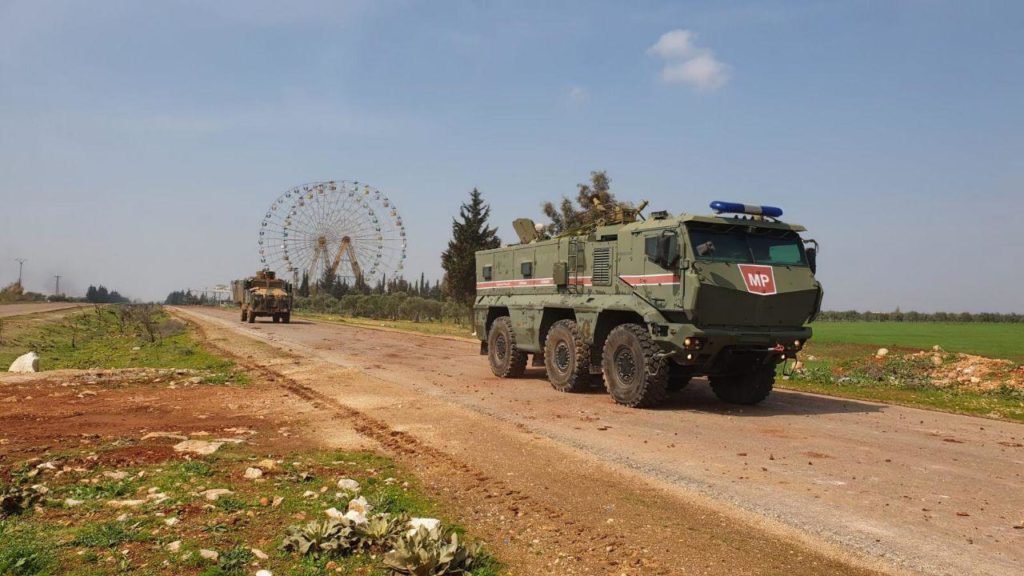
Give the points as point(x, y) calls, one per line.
point(243, 315)
point(286, 317)
point(567, 358)
point(252, 317)
point(506, 359)
point(747, 389)
point(634, 374)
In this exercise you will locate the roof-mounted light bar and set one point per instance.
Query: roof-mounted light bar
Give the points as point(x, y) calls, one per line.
point(738, 208)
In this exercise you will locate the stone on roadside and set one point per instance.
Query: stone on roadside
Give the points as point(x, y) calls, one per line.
point(171, 521)
point(171, 435)
point(174, 546)
point(359, 505)
point(264, 573)
point(348, 484)
point(267, 465)
point(201, 447)
point(431, 524)
point(210, 555)
point(334, 513)
point(253, 473)
point(882, 353)
point(71, 502)
point(25, 363)
point(277, 501)
point(936, 360)
point(260, 554)
point(214, 494)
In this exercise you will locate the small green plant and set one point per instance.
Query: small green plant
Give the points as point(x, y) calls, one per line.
point(433, 553)
point(230, 504)
point(235, 560)
point(107, 535)
point(25, 554)
point(379, 532)
point(329, 537)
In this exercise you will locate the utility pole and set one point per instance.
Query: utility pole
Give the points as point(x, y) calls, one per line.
point(57, 292)
point(21, 263)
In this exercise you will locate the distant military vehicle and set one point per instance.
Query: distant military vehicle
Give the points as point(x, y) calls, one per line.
point(263, 295)
point(651, 303)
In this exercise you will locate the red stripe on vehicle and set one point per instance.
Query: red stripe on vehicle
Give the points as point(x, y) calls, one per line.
point(649, 279)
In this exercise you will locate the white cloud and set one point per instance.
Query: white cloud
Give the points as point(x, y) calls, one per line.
point(704, 72)
point(673, 45)
point(685, 63)
point(579, 94)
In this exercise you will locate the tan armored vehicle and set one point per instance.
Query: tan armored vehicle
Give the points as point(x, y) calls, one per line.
point(263, 295)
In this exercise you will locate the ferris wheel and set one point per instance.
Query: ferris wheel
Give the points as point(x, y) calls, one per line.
point(347, 230)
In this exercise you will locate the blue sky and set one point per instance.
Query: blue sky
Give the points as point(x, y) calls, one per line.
point(141, 142)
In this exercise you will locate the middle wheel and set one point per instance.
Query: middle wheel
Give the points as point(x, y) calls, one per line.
point(567, 357)
point(634, 374)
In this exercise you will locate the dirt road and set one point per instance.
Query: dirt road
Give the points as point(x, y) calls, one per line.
point(798, 476)
point(7, 310)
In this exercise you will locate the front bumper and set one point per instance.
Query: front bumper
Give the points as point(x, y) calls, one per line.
point(710, 350)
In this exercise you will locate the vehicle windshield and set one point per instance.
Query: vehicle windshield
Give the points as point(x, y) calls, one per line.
point(773, 247)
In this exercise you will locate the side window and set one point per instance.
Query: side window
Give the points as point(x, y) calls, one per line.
point(487, 273)
point(526, 268)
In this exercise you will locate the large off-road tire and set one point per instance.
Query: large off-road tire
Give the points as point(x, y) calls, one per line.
point(286, 317)
point(678, 377)
point(747, 389)
point(275, 318)
point(567, 358)
point(252, 317)
point(634, 374)
point(243, 315)
point(506, 359)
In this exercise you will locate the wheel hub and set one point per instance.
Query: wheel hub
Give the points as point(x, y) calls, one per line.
point(625, 364)
point(500, 346)
point(562, 357)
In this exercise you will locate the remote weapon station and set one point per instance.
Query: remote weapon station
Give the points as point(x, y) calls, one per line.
point(646, 304)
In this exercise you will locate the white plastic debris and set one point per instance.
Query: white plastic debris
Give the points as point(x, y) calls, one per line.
point(25, 363)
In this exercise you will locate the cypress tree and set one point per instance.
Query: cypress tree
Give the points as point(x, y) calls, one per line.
point(470, 233)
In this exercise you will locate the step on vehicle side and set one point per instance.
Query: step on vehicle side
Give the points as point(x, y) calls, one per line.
point(263, 295)
point(648, 304)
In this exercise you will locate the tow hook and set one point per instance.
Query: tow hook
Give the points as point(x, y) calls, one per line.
point(664, 355)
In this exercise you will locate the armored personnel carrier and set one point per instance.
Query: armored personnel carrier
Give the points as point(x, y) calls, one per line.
point(263, 295)
point(646, 304)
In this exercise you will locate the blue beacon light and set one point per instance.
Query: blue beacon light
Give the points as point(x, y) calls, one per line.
point(738, 208)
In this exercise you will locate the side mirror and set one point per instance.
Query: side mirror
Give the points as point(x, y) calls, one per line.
point(811, 251)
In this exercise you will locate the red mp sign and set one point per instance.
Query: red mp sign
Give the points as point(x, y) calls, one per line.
point(759, 279)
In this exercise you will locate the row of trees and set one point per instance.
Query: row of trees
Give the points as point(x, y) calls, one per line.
point(912, 316)
point(100, 295)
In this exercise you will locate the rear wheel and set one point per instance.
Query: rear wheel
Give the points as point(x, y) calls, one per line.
point(276, 318)
point(252, 317)
point(286, 317)
point(506, 359)
point(567, 358)
point(243, 315)
point(634, 374)
point(749, 388)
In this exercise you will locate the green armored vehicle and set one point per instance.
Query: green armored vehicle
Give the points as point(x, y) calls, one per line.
point(651, 303)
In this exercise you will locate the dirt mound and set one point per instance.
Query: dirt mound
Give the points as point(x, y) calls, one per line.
point(974, 372)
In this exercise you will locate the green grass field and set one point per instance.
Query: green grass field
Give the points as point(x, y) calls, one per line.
point(992, 340)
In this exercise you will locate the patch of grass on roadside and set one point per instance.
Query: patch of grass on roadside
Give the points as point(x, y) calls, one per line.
point(993, 340)
point(430, 328)
point(165, 535)
point(118, 336)
point(25, 550)
point(899, 379)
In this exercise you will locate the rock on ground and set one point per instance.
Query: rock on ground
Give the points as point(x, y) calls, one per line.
point(25, 363)
point(200, 447)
